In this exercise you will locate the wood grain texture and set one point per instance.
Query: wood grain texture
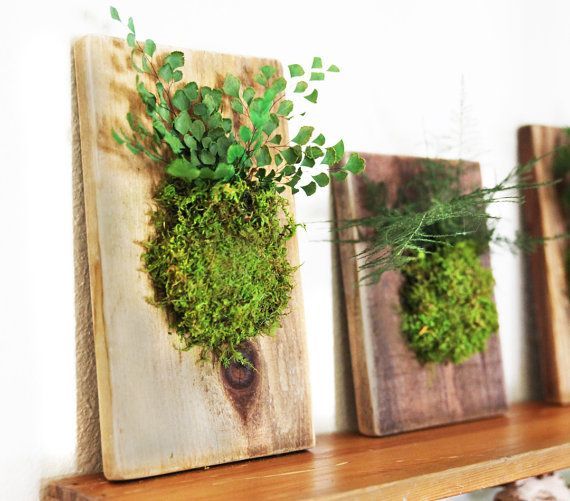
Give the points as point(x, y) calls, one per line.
point(160, 411)
point(531, 439)
point(394, 392)
point(543, 217)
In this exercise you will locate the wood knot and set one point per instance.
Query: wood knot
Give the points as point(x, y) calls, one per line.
point(241, 382)
point(239, 376)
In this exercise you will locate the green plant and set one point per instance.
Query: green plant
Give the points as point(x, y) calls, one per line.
point(435, 235)
point(219, 263)
point(218, 255)
point(441, 214)
point(448, 312)
point(187, 132)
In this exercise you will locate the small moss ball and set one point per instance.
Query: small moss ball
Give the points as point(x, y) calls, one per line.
point(448, 308)
point(218, 262)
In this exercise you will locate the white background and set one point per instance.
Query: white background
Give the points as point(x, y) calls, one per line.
point(404, 65)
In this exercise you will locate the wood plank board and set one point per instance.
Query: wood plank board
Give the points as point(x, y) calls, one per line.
point(531, 439)
point(544, 217)
point(394, 391)
point(160, 411)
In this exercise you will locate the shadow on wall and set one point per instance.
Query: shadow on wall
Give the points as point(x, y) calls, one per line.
point(88, 432)
point(345, 405)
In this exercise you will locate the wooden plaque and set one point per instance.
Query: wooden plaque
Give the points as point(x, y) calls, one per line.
point(544, 217)
point(394, 391)
point(160, 410)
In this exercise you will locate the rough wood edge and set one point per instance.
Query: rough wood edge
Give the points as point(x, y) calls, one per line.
point(343, 194)
point(88, 154)
point(541, 212)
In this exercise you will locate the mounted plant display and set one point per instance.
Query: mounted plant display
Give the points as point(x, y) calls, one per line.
point(190, 232)
point(447, 306)
point(422, 318)
point(218, 256)
point(547, 214)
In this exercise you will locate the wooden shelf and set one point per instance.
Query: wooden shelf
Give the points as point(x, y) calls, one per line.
point(429, 464)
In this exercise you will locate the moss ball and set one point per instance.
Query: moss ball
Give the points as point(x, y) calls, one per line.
point(447, 302)
point(218, 262)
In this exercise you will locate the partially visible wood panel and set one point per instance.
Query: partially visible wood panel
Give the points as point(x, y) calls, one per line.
point(160, 410)
point(550, 296)
point(394, 391)
point(423, 465)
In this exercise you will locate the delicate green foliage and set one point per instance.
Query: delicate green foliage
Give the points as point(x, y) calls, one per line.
point(310, 188)
point(339, 175)
point(183, 122)
point(175, 59)
point(232, 86)
point(117, 138)
point(303, 135)
point(313, 96)
point(319, 140)
point(114, 14)
point(268, 71)
point(237, 105)
point(285, 108)
point(248, 94)
point(189, 120)
point(431, 211)
point(263, 157)
point(180, 100)
point(180, 167)
point(219, 265)
point(355, 164)
point(448, 312)
point(245, 133)
point(296, 70)
point(321, 179)
point(235, 152)
point(149, 48)
point(301, 86)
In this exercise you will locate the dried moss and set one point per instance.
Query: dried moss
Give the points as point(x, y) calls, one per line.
point(448, 308)
point(218, 263)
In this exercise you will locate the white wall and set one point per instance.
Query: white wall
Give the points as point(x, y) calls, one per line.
point(403, 64)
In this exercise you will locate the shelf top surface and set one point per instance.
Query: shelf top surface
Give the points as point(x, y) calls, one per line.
point(428, 464)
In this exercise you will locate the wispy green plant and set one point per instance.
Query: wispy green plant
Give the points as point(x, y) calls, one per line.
point(397, 235)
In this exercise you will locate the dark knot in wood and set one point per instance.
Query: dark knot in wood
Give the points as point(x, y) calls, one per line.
point(239, 376)
point(241, 382)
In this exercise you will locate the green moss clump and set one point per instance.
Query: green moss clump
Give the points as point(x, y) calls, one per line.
point(448, 308)
point(218, 263)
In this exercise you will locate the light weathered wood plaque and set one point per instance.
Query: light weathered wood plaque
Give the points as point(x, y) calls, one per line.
point(160, 411)
point(394, 391)
point(544, 217)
